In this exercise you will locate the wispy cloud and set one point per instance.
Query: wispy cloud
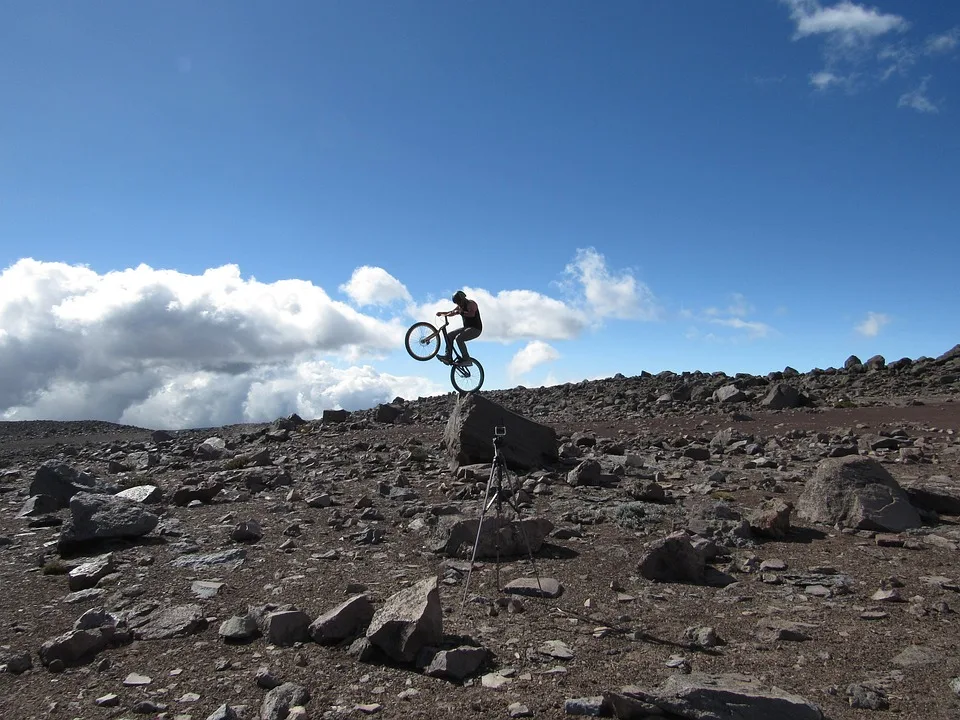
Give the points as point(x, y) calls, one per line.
point(898, 60)
point(734, 316)
point(532, 355)
point(850, 32)
point(753, 329)
point(943, 43)
point(873, 323)
point(918, 100)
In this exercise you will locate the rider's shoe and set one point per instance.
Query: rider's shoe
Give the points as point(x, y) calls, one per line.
point(445, 359)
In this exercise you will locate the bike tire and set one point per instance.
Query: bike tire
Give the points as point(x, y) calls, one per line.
point(462, 376)
point(422, 349)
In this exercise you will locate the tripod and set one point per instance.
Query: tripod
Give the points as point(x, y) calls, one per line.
point(494, 496)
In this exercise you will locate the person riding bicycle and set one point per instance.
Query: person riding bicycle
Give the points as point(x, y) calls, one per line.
point(472, 326)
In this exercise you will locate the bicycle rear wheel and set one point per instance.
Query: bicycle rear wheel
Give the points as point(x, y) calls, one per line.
point(467, 377)
point(422, 341)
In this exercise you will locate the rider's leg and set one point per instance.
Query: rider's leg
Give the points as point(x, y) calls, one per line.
point(451, 337)
point(462, 335)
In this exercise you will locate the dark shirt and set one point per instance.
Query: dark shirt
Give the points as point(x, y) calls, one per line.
point(471, 322)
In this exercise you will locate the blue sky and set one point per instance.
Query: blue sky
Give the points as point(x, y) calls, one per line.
point(625, 186)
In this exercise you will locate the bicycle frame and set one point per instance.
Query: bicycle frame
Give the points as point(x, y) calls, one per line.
point(442, 330)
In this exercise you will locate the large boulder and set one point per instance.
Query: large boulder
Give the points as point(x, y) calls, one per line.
point(470, 433)
point(856, 492)
point(783, 396)
point(409, 621)
point(62, 481)
point(509, 538)
point(104, 517)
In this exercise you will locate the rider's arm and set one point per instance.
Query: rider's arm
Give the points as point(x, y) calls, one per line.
point(471, 309)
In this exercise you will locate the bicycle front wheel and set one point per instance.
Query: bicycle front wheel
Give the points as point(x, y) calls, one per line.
point(422, 341)
point(467, 377)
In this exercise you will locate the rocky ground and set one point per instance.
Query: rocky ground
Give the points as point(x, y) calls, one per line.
point(783, 545)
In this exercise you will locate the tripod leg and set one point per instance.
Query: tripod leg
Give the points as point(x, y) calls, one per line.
point(523, 533)
point(476, 543)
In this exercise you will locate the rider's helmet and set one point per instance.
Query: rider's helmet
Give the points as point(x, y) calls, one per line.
point(459, 296)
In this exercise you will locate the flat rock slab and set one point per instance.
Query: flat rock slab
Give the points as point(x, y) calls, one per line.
point(532, 587)
point(702, 696)
point(226, 559)
point(205, 589)
point(170, 623)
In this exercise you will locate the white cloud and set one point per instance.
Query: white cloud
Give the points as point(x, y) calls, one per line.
point(846, 21)
point(617, 295)
point(918, 100)
point(532, 355)
point(374, 286)
point(79, 344)
point(871, 326)
point(943, 43)
point(754, 329)
point(512, 315)
point(824, 79)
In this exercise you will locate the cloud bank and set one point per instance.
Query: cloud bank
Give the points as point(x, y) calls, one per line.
point(163, 348)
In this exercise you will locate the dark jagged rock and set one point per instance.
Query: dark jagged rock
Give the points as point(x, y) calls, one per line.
point(470, 433)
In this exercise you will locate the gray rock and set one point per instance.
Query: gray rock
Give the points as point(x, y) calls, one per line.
point(701, 696)
point(673, 559)
point(211, 449)
point(771, 519)
point(248, 531)
point(408, 621)
point(596, 706)
point(225, 559)
point(146, 494)
point(88, 574)
point(866, 697)
point(72, 646)
point(457, 664)
point(62, 481)
point(15, 663)
point(38, 505)
point(534, 587)
point(470, 430)
point(704, 637)
point(205, 589)
point(102, 517)
point(856, 492)
point(783, 396)
point(276, 705)
point(586, 473)
point(343, 622)
point(203, 492)
point(456, 538)
point(287, 627)
point(729, 394)
point(239, 628)
point(938, 493)
point(171, 622)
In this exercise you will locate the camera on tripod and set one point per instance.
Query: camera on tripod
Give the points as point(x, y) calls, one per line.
point(499, 433)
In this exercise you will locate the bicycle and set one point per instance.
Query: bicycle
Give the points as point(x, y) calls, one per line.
point(463, 373)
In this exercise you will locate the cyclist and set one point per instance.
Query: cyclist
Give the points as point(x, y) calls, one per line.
point(472, 326)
